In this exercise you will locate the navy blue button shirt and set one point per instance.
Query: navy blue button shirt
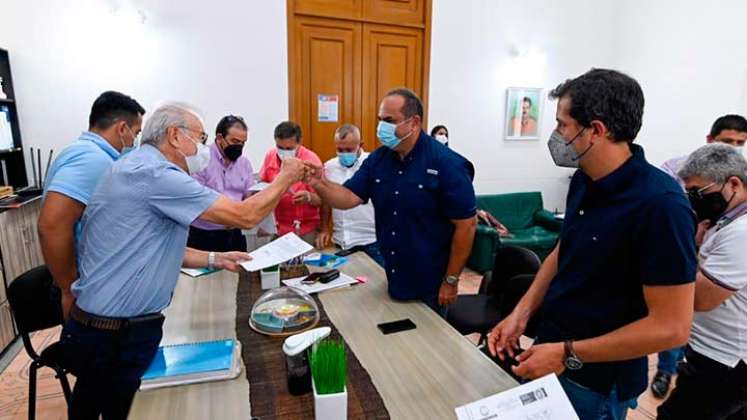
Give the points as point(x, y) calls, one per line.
point(414, 201)
point(630, 229)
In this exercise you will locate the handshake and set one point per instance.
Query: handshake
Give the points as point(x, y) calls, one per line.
point(298, 170)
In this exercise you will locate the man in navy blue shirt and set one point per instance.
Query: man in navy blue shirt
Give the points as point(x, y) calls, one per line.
point(423, 200)
point(619, 285)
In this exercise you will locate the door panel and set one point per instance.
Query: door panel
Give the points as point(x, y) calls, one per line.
point(327, 61)
point(345, 9)
point(392, 57)
point(397, 12)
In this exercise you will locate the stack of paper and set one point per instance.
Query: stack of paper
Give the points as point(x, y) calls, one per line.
point(280, 250)
point(197, 272)
point(317, 287)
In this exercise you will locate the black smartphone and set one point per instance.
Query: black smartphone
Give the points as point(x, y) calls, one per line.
point(346, 252)
point(396, 326)
point(321, 277)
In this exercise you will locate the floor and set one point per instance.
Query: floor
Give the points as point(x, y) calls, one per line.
point(50, 404)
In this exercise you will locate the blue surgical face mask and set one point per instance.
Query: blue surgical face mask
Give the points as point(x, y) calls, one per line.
point(128, 149)
point(347, 159)
point(387, 136)
point(285, 154)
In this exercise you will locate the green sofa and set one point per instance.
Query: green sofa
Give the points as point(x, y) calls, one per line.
point(522, 213)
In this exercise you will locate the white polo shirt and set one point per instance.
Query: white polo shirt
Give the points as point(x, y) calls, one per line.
point(721, 334)
point(355, 226)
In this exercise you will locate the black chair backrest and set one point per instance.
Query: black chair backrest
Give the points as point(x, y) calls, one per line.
point(511, 261)
point(35, 300)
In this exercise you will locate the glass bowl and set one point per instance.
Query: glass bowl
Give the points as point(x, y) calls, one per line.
point(284, 311)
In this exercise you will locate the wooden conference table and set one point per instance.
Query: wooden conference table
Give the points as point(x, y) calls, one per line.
point(421, 373)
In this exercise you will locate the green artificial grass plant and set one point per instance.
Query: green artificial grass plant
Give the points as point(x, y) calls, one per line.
point(328, 366)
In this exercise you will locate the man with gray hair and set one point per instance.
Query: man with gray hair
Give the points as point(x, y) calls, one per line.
point(353, 229)
point(132, 245)
point(712, 383)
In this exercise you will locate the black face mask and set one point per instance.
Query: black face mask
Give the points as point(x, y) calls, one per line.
point(233, 151)
point(709, 206)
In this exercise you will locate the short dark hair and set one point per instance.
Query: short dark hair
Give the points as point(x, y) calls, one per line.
point(288, 129)
point(435, 129)
point(413, 106)
point(728, 122)
point(609, 96)
point(112, 106)
point(527, 99)
point(227, 122)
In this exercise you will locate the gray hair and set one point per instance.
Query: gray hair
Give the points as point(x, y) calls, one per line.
point(172, 114)
point(345, 129)
point(715, 162)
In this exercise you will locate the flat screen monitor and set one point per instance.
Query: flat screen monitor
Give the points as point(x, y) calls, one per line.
point(6, 131)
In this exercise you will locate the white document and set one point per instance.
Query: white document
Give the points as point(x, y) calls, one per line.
point(280, 250)
point(541, 399)
point(317, 287)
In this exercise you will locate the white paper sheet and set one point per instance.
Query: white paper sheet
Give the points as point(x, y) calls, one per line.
point(541, 399)
point(280, 250)
point(341, 281)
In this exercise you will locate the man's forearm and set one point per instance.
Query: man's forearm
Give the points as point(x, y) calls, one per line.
point(259, 205)
point(326, 215)
point(194, 258)
point(335, 195)
point(58, 249)
point(461, 246)
point(533, 298)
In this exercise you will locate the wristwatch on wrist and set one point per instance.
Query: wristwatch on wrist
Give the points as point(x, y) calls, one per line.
point(451, 280)
point(572, 361)
point(211, 260)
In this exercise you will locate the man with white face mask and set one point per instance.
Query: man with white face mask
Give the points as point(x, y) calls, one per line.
point(131, 249)
point(619, 284)
point(423, 200)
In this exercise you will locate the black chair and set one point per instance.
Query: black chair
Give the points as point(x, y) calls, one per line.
point(500, 291)
point(37, 304)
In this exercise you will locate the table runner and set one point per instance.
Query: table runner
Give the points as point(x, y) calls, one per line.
point(265, 367)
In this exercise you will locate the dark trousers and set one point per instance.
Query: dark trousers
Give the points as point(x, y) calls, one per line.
point(108, 366)
point(706, 390)
point(224, 240)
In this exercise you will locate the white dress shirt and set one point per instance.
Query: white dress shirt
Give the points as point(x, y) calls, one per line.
point(355, 226)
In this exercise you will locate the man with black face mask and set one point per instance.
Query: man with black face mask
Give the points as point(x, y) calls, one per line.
point(229, 173)
point(619, 284)
point(712, 382)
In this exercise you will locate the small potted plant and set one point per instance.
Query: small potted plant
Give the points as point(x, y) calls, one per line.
point(328, 377)
point(270, 277)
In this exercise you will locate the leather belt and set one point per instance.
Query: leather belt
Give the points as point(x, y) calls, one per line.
point(109, 324)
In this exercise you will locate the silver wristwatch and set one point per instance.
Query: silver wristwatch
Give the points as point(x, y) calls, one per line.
point(572, 361)
point(211, 260)
point(451, 280)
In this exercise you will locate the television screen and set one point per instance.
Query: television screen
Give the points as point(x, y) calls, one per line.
point(6, 133)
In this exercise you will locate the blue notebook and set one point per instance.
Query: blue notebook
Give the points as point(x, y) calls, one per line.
point(191, 358)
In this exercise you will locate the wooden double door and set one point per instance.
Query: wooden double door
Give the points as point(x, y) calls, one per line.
point(344, 55)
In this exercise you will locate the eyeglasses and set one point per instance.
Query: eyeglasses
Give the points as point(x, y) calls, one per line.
point(698, 193)
point(203, 135)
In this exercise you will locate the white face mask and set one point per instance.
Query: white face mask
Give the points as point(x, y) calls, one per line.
point(285, 154)
point(442, 138)
point(200, 160)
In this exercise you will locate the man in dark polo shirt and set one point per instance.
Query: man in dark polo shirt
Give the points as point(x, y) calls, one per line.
point(424, 204)
point(619, 285)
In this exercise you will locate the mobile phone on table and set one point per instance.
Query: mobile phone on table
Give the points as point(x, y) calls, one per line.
point(346, 252)
point(396, 326)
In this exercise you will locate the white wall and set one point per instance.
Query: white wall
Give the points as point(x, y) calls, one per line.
point(222, 56)
point(477, 52)
point(230, 56)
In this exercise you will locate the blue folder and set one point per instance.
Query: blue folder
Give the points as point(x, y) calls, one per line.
point(191, 358)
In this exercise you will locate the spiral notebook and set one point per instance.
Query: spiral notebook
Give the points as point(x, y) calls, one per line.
point(191, 363)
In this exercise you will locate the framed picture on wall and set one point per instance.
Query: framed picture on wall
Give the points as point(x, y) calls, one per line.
point(523, 113)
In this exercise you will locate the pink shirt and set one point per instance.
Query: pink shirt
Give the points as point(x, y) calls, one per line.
point(233, 180)
point(287, 213)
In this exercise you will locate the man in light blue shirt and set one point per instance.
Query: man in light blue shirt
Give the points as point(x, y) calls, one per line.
point(114, 123)
point(133, 243)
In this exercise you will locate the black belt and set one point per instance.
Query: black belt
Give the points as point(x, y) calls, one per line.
point(110, 324)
